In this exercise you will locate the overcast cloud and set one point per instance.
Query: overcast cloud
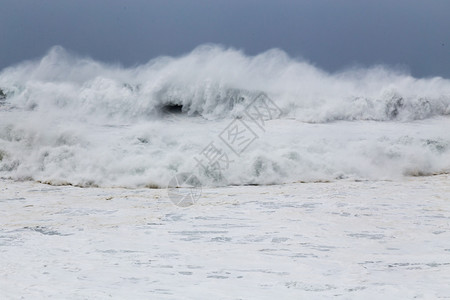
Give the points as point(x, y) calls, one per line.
point(331, 34)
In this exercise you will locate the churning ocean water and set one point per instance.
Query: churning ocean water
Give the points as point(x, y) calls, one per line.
point(66, 119)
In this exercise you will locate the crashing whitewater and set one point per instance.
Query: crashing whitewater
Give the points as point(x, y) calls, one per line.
point(72, 120)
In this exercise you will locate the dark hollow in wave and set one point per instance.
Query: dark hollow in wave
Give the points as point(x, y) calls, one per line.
point(2, 95)
point(172, 108)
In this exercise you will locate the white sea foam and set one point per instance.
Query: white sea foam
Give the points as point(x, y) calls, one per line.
point(73, 120)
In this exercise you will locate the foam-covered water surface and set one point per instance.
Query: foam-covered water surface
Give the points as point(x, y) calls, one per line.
point(344, 239)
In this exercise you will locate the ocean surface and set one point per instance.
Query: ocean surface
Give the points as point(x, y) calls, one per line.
point(313, 185)
point(229, 118)
point(343, 240)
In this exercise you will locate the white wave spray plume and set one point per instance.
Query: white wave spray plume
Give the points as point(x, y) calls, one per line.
point(73, 120)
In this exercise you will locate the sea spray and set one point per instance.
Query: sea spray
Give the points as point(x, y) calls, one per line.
point(72, 120)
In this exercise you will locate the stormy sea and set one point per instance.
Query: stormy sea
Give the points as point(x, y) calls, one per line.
point(308, 184)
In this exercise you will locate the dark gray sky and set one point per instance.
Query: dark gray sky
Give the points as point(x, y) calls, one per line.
point(412, 34)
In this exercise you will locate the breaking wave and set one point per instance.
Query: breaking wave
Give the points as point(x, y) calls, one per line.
point(217, 83)
point(72, 120)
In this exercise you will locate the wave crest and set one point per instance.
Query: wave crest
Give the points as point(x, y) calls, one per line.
point(66, 119)
point(212, 81)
